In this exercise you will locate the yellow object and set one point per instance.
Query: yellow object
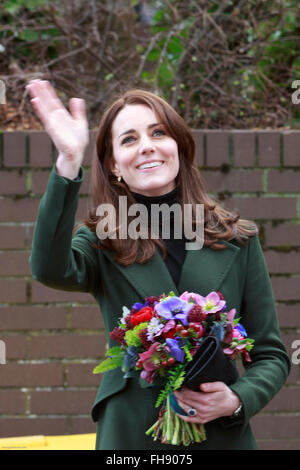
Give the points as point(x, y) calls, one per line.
point(71, 442)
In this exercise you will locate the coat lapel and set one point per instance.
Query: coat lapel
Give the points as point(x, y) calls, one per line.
point(203, 271)
point(152, 278)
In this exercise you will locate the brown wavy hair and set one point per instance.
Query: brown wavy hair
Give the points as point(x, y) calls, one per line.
point(219, 223)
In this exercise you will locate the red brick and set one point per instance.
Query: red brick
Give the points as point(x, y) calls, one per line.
point(30, 317)
point(293, 376)
point(244, 148)
point(276, 426)
point(198, 136)
point(288, 399)
point(291, 145)
point(82, 375)
point(83, 426)
point(264, 207)
point(31, 426)
point(269, 148)
point(41, 293)
point(86, 317)
point(12, 290)
point(278, 262)
point(217, 148)
point(19, 210)
point(40, 149)
point(62, 402)
point(14, 264)
point(284, 234)
point(289, 316)
point(12, 401)
point(279, 444)
point(31, 375)
point(286, 288)
point(16, 346)
point(12, 237)
point(12, 182)
point(234, 181)
point(82, 209)
point(64, 345)
point(14, 149)
point(40, 180)
point(287, 181)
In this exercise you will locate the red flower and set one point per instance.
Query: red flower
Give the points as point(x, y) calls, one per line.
point(117, 334)
point(145, 314)
point(170, 333)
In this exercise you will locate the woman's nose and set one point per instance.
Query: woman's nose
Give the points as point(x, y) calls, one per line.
point(146, 146)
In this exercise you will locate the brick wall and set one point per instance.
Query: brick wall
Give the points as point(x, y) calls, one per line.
point(53, 339)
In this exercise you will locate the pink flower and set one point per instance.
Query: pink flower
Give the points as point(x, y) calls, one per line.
point(150, 358)
point(231, 315)
point(236, 334)
point(212, 303)
point(186, 296)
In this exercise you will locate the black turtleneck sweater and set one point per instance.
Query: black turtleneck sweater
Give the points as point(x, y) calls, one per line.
point(175, 247)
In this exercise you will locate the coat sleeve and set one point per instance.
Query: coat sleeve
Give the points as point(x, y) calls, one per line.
point(270, 363)
point(57, 260)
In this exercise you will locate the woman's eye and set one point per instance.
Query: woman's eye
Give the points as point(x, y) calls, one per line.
point(159, 132)
point(127, 139)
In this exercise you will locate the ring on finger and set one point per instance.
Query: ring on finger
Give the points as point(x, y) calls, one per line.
point(191, 412)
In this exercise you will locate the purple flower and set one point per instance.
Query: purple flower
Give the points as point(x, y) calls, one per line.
point(241, 330)
point(174, 308)
point(137, 306)
point(175, 349)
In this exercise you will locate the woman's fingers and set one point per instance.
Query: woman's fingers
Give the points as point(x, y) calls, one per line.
point(77, 109)
point(43, 90)
point(68, 130)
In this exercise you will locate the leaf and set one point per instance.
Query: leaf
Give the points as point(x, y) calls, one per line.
point(153, 55)
point(109, 364)
point(187, 352)
point(165, 74)
point(115, 357)
point(114, 351)
point(28, 35)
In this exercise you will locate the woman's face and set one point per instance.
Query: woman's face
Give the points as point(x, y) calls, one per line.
point(145, 156)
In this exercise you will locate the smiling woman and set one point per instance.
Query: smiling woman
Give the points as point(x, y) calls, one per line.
point(145, 153)
point(147, 158)
point(144, 149)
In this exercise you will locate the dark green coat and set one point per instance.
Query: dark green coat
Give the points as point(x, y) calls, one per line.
point(122, 408)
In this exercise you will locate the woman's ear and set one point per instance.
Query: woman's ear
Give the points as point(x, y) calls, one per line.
point(114, 168)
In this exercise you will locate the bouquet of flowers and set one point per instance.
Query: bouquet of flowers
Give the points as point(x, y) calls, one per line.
point(157, 339)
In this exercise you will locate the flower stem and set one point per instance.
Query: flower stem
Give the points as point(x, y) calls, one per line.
point(175, 440)
point(169, 421)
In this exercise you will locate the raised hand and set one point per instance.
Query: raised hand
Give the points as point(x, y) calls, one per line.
point(68, 131)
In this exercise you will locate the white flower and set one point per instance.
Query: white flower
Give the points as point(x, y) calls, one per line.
point(153, 328)
point(126, 311)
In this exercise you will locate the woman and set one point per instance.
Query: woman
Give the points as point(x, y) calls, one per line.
point(145, 152)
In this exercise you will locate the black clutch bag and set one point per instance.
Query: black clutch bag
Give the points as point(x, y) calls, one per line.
point(210, 364)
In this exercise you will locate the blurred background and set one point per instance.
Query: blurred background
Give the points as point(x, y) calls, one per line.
point(220, 64)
